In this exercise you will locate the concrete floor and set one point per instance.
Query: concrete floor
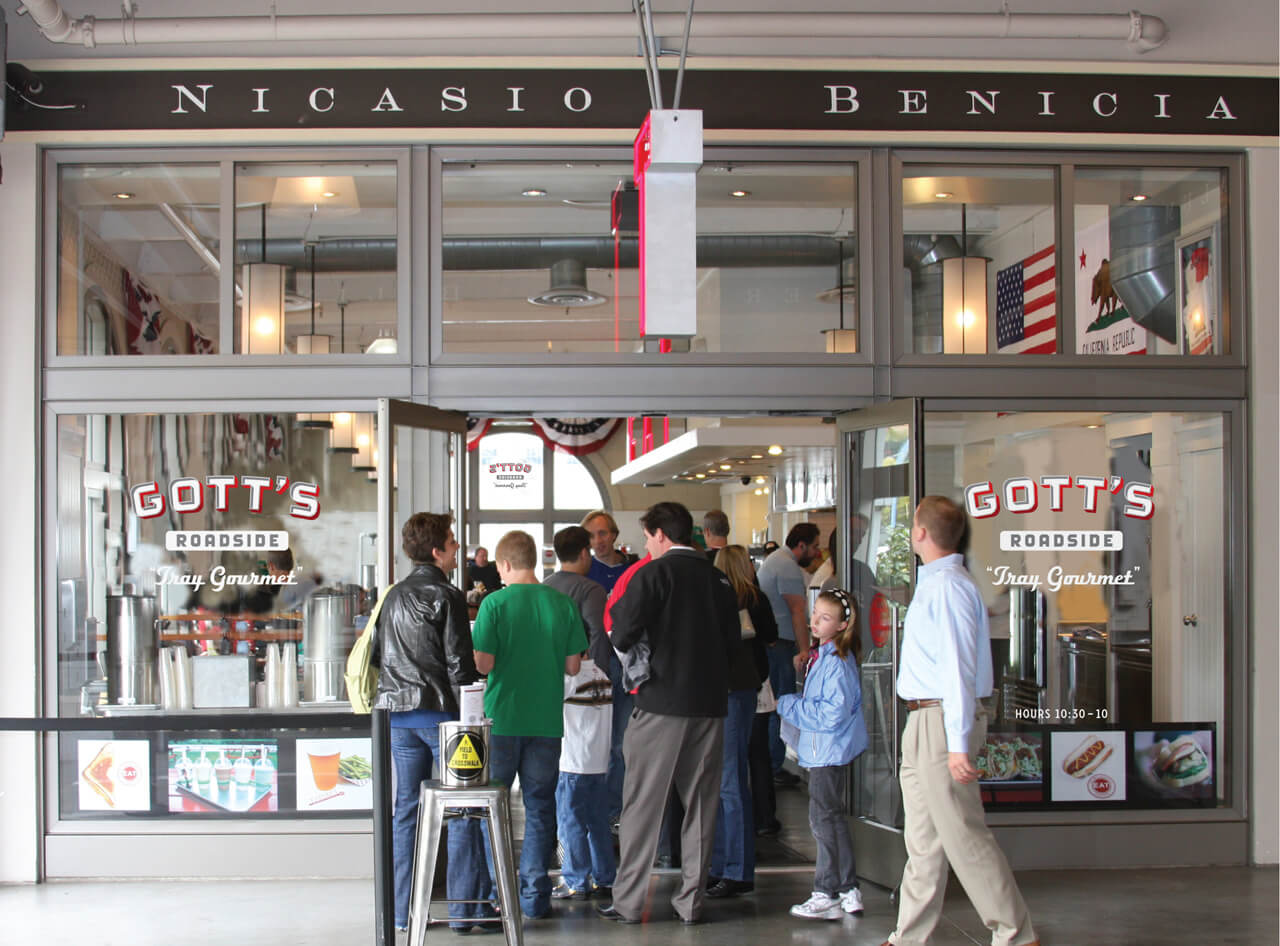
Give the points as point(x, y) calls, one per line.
point(1233, 906)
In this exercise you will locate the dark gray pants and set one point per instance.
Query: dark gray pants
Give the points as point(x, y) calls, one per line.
point(662, 751)
point(835, 872)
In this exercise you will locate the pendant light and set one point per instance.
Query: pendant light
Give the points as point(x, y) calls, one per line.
point(313, 344)
point(964, 299)
point(365, 441)
point(841, 340)
point(262, 315)
point(342, 436)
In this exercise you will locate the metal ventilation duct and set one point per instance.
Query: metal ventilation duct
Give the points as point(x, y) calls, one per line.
point(376, 254)
point(1143, 265)
point(568, 287)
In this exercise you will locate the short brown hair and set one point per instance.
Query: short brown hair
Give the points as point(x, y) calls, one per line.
point(518, 549)
point(570, 542)
point(943, 520)
point(601, 514)
point(423, 533)
point(716, 523)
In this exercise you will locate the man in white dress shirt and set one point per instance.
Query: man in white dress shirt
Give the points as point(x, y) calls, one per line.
point(945, 670)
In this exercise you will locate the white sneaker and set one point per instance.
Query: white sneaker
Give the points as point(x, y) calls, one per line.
point(851, 901)
point(817, 907)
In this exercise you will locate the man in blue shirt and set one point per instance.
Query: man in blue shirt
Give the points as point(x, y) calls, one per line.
point(783, 580)
point(607, 562)
point(944, 672)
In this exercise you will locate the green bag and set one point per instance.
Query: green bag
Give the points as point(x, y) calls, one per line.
point(361, 675)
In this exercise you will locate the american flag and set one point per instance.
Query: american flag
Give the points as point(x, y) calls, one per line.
point(1026, 309)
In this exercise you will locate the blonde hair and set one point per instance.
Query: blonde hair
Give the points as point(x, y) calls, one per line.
point(734, 561)
point(518, 549)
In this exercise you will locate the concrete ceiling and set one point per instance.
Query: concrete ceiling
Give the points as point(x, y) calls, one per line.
point(1228, 31)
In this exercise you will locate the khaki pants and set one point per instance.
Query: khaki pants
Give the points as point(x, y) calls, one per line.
point(945, 822)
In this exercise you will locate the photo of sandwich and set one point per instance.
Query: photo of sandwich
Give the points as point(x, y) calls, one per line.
point(98, 774)
point(1087, 766)
point(1009, 756)
point(1174, 765)
point(1086, 757)
point(115, 774)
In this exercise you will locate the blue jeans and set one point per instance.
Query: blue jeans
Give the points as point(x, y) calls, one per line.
point(623, 703)
point(782, 677)
point(583, 820)
point(536, 760)
point(412, 754)
point(733, 854)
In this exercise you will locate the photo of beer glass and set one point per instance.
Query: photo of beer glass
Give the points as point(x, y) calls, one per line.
point(324, 770)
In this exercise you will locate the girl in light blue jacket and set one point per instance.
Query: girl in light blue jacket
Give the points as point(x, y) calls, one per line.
point(832, 734)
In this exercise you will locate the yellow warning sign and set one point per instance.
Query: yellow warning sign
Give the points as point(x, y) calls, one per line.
point(465, 755)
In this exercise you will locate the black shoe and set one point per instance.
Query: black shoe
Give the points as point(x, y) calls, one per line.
point(602, 893)
point(771, 830)
point(606, 912)
point(726, 887)
point(712, 881)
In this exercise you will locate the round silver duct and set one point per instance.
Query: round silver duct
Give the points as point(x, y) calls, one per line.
point(568, 287)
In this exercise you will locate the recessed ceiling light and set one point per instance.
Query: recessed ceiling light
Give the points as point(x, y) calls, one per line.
point(759, 492)
point(533, 192)
point(1092, 426)
point(739, 193)
point(765, 490)
point(775, 450)
point(1138, 197)
point(699, 476)
point(943, 195)
point(123, 195)
point(726, 466)
point(757, 456)
point(329, 194)
point(761, 480)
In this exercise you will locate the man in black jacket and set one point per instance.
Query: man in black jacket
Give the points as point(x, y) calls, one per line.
point(422, 647)
point(686, 611)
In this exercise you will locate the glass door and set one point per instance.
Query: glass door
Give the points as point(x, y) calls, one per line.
point(420, 467)
point(880, 480)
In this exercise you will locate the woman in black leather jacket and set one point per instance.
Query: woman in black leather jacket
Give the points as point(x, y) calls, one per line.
point(422, 647)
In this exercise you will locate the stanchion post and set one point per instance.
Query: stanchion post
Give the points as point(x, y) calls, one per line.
point(384, 892)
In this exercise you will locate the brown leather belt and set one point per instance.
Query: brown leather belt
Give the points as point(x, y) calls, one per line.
point(921, 704)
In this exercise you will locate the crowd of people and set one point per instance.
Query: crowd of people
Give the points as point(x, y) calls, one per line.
point(627, 693)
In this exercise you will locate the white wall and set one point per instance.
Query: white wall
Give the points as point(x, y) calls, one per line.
point(1264, 511)
point(19, 811)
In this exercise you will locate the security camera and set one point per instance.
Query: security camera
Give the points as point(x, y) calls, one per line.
point(745, 481)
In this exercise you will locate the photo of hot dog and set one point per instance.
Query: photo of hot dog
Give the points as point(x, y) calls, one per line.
point(1086, 757)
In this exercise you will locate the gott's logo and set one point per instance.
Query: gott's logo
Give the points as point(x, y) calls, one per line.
point(187, 494)
point(1021, 495)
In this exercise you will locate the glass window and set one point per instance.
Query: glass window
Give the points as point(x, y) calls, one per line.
point(138, 268)
point(208, 562)
point(1150, 261)
point(979, 266)
point(509, 490)
point(316, 258)
point(1098, 541)
point(532, 262)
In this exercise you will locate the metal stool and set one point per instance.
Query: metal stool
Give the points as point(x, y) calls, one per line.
point(432, 802)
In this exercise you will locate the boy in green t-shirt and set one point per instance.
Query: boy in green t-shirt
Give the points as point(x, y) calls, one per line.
point(526, 637)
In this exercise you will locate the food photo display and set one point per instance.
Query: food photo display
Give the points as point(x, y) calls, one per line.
point(1087, 766)
point(1011, 768)
point(1175, 765)
point(335, 774)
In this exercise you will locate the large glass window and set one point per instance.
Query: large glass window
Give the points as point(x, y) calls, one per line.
point(534, 264)
point(138, 257)
point(316, 258)
point(1150, 261)
point(979, 259)
point(216, 564)
point(1098, 540)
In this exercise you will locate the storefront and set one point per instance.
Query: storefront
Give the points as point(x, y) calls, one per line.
point(233, 349)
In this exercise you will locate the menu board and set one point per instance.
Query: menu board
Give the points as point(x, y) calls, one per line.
point(1174, 765)
point(223, 776)
point(1088, 766)
point(115, 774)
point(335, 774)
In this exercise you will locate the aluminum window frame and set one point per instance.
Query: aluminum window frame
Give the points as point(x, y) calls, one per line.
point(857, 158)
point(53, 158)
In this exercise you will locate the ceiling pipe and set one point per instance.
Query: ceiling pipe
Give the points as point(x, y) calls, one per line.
point(1140, 31)
point(378, 254)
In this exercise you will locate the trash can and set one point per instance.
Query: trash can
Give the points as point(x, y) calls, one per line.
point(464, 754)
